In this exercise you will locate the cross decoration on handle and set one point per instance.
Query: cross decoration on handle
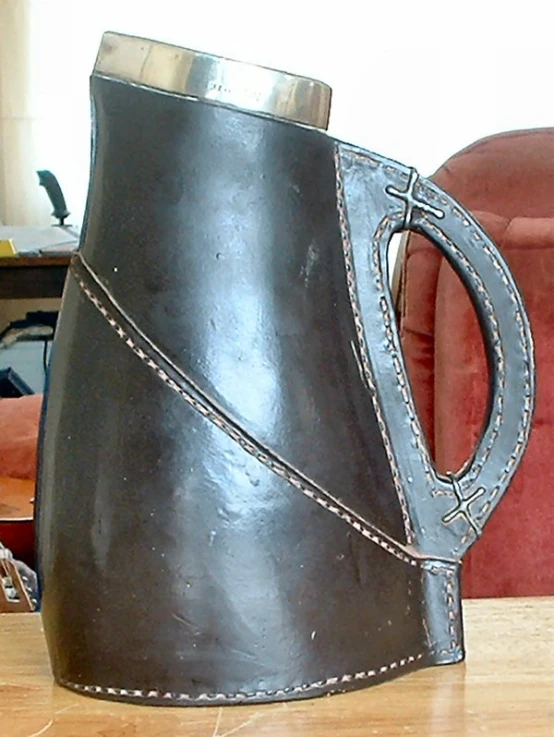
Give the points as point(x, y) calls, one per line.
point(411, 200)
point(462, 508)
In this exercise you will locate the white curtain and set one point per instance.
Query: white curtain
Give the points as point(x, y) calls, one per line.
point(22, 201)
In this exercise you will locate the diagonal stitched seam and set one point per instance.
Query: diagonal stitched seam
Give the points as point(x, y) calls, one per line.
point(207, 408)
point(243, 696)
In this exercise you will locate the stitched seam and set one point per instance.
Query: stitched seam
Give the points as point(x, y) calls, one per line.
point(500, 365)
point(364, 355)
point(385, 231)
point(497, 343)
point(243, 696)
point(312, 491)
point(450, 605)
point(451, 608)
point(497, 347)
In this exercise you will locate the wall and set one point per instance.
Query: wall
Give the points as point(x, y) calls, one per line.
point(414, 81)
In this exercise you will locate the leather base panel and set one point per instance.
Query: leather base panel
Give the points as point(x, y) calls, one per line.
point(179, 569)
point(329, 687)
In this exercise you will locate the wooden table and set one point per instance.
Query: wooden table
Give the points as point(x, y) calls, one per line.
point(506, 687)
point(32, 277)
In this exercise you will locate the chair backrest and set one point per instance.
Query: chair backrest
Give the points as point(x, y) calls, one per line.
point(510, 174)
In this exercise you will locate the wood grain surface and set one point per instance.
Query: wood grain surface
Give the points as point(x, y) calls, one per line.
point(505, 687)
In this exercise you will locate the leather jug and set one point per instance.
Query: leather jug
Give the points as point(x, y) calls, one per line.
point(236, 502)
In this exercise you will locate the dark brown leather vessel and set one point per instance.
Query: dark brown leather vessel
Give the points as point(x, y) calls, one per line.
point(236, 501)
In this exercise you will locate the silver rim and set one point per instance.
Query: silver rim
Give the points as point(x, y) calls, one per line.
point(214, 79)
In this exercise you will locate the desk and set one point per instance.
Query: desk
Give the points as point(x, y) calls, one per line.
point(505, 688)
point(32, 277)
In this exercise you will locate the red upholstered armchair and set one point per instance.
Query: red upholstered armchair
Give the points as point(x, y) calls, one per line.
point(507, 182)
point(19, 420)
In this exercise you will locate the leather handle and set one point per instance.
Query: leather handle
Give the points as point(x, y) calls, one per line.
point(480, 484)
point(376, 198)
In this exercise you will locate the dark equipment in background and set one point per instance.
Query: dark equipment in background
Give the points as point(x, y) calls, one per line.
point(12, 385)
point(37, 325)
point(54, 191)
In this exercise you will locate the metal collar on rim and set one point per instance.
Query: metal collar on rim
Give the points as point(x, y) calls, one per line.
point(214, 79)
